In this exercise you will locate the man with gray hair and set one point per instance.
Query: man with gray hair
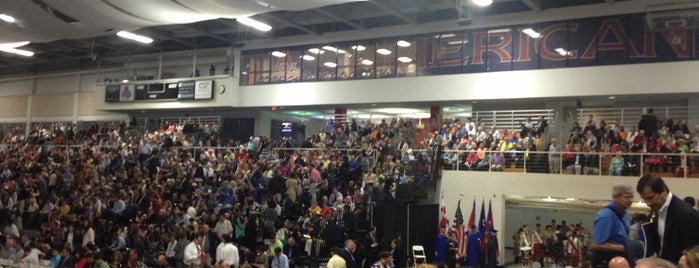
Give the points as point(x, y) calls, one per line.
point(654, 262)
point(612, 227)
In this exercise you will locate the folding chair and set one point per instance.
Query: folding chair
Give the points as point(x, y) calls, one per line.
point(419, 253)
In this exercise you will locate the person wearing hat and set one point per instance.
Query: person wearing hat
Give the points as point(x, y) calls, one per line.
point(492, 249)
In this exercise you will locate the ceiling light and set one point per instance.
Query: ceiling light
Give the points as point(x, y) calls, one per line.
point(403, 43)
point(457, 42)
point(359, 48)
point(612, 97)
point(330, 64)
point(13, 50)
point(570, 199)
point(563, 51)
point(7, 18)
point(531, 33)
point(308, 57)
point(405, 59)
point(278, 54)
point(451, 35)
point(135, 37)
point(383, 51)
point(367, 62)
point(316, 51)
point(397, 110)
point(549, 199)
point(255, 24)
point(125, 81)
point(15, 44)
point(501, 30)
point(483, 3)
point(334, 49)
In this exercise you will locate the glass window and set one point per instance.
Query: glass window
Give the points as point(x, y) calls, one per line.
point(424, 53)
point(406, 57)
point(214, 62)
point(366, 60)
point(293, 65)
point(262, 68)
point(385, 58)
point(449, 53)
point(279, 58)
point(328, 63)
point(346, 61)
point(247, 60)
point(310, 63)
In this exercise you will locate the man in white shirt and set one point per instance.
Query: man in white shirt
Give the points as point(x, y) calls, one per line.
point(227, 252)
point(280, 260)
point(193, 255)
point(336, 261)
point(675, 229)
point(223, 226)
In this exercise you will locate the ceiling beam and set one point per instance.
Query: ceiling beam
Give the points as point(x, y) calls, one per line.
point(393, 12)
point(534, 5)
point(340, 19)
point(229, 23)
point(206, 33)
point(290, 23)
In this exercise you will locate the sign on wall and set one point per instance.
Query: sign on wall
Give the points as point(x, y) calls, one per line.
point(183, 90)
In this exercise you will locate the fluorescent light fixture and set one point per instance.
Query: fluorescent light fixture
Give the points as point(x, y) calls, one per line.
point(367, 62)
point(15, 44)
point(13, 50)
point(531, 33)
point(330, 64)
point(334, 49)
point(278, 54)
point(135, 37)
point(570, 199)
point(403, 43)
point(383, 51)
point(316, 51)
point(563, 51)
point(549, 199)
point(450, 35)
point(405, 59)
point(453, 43)
point(612, 97)
point(308, 57)
point(255, 24)
point(483, 3)
point(501, 30)
point(7, 18)
point(359, 48)
point(125, 81)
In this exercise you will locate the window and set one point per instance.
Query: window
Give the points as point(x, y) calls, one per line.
point(406, 57)
point(366, 60)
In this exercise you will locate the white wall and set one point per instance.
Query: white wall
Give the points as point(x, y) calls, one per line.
point(618, 80)
point(495, 186)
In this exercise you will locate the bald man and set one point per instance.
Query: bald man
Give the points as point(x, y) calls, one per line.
point(619, 262)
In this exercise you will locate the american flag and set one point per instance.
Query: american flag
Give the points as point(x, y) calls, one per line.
point(459, 230)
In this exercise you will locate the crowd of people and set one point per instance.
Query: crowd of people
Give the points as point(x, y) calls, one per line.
point(107, 196)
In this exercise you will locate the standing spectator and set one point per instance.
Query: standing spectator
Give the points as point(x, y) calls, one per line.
point(279, 260)
point(348, 254)
point(336, 261)
point(676, 227)
point(554, 151)
point(194, 256)
point(648, 123)
point(612, 227)
point(227, 252)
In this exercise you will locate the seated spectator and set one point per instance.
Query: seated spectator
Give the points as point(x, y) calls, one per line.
point(591, 161)
point(616, 164)
point(497, 161)
point(576, 161)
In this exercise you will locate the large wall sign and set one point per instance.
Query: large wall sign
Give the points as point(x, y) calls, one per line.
point(183, 90)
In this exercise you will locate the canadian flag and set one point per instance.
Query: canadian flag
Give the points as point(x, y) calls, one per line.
point(444, 221)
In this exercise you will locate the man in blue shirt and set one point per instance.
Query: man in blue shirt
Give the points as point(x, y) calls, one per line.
point(612, 227)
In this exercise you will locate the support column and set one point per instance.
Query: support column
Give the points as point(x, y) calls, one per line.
point(562, 119)
point(434, 123)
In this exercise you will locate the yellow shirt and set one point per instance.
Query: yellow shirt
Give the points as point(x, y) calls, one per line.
point(64, 210)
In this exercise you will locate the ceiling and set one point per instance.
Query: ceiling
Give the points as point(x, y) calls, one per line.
point(76, 34)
